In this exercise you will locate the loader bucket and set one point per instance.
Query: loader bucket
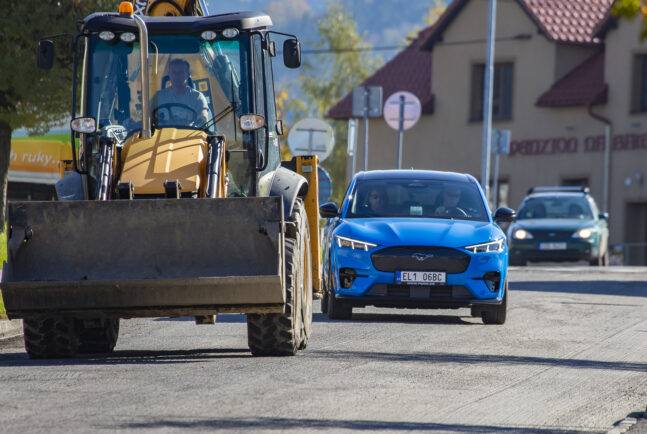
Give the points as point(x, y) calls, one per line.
point(142, 258)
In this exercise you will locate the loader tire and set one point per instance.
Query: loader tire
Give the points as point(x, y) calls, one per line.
point(98, 336)
point(282, 334)
point(306, 270)
point(50, 338)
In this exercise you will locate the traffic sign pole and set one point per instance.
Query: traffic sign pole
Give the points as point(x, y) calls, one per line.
point(366, 104)
point(400, 131)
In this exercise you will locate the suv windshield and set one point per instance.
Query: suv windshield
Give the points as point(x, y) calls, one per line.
point(416, 198)
point(555, 207)
point(195, 84)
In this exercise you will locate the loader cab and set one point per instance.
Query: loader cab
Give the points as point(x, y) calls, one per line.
point(229, 58)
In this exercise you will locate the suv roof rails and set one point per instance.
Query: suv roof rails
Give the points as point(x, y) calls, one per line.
point(573, 189)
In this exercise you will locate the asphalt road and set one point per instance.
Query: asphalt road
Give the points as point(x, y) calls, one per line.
point(572, 357)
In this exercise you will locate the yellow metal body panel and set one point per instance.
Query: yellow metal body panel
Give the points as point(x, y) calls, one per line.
point(307, 166)
point(170, 154)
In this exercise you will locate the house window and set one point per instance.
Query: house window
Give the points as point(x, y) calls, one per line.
point(639, 94)
point(501, 92)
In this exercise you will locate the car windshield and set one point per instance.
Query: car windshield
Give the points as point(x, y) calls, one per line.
point(194, 83)
point(555, 207)
point(421, 198)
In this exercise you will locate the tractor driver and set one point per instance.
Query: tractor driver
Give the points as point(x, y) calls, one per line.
point(178, 104)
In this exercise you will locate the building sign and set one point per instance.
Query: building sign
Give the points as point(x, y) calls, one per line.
point(572, 145)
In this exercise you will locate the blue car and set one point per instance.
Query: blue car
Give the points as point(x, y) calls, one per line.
point(415, 239)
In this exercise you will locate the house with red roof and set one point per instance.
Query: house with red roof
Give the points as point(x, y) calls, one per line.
point(568, 79)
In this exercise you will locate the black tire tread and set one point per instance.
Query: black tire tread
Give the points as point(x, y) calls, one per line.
point(281, 334)
point(99, 339)
point(50, 337)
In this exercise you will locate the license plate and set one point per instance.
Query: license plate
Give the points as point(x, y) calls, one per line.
point(421, 277)
point(552, 246)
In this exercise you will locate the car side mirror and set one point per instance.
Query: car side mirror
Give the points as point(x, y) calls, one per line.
point(603, 216)
point(504, 215)
point(292, 53)
point(45, 54)
point(329, 210)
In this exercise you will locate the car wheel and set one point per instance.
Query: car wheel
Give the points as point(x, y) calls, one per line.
point(338, 309)
point(497, 314)
point(517, 262)
point(324, 302)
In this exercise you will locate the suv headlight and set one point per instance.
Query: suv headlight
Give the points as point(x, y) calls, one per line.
point(521, 234)
point(492, 246)
point(584, 233)
point(354, 244)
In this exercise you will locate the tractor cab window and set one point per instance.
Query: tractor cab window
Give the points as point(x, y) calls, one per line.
point(194, 84)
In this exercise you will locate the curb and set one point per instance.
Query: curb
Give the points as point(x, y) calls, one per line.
point(10, 328)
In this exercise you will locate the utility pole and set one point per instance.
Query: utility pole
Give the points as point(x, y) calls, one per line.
point(487, 100)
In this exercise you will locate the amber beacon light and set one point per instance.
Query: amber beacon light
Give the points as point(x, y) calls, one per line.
point(125, 8)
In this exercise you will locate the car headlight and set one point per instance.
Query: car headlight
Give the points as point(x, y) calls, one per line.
point(354, 244)
point(492, 246)
point(583, 233)
point(521, 234)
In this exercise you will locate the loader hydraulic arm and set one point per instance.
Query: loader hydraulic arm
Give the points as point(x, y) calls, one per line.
point(170, 8)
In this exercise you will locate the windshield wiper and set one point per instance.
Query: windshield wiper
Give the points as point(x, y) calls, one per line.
point(217, 118)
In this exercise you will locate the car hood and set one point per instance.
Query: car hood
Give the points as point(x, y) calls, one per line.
point(418, 231)
point(553, 224)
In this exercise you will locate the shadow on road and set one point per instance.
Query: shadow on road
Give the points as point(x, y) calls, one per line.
point(485, 359)
point(636, 288)
point(395, 318)
point(131, 357)
point(282, 424)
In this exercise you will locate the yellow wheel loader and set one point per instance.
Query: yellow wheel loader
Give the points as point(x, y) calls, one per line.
point(176, 202)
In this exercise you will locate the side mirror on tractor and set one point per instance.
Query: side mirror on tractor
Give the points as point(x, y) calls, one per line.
point(292, 53)
point(45, 54)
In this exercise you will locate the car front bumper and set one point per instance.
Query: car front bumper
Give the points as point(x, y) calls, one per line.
point(575, 250)
point(379, 288)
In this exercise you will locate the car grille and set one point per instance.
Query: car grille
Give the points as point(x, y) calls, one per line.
point(420, 291)
point(419, 258)
point(551, 235)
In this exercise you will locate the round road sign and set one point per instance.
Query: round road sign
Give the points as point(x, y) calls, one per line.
point(325, 185)
point(311, 137)
point(412, 110)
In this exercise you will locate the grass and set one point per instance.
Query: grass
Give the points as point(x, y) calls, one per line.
point(3, 257)
point(64, 138)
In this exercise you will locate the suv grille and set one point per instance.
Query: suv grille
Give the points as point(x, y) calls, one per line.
point(551, 235)
point(420, 258)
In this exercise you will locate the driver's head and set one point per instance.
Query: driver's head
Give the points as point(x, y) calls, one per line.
point(451, 196)
point(179, 71)
point(377, 199)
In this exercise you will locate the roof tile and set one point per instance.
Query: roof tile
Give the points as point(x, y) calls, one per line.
point(584, 85)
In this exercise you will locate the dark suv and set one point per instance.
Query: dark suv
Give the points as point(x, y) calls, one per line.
point(559, 224)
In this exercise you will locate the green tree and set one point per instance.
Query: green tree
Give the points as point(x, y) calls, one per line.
point(433, 13)
point(30, 98)
point(328, 76)
point(630, 9)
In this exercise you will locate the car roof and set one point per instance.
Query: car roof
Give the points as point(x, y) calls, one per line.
point(414, 174)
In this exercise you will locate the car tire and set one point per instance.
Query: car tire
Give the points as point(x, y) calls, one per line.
point(338, 309)
point(324, 302)
point(517, 262)
point(497, 314)
point(601, 261)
